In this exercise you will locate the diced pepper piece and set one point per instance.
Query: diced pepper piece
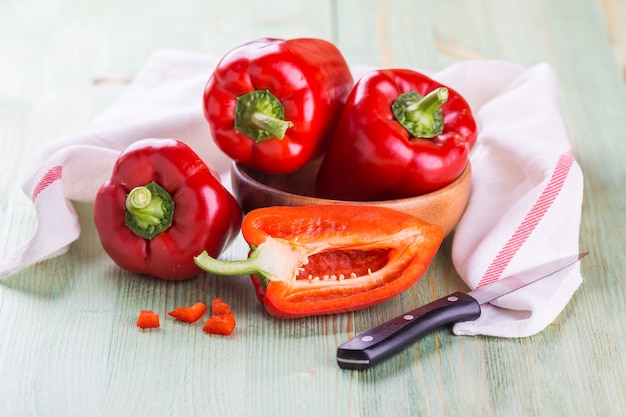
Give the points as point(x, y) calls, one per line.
point(220, 308)
point(222, 320)
point(189, 314)
point(148, 319)
point(222, 325)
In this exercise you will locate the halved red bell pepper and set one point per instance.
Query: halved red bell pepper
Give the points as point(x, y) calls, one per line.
point(271, 104)
point(401, 134)
point(162, 206)
point(316, 260)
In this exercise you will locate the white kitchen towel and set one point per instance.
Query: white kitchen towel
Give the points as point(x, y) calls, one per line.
point(524, 207)
point(526, 198)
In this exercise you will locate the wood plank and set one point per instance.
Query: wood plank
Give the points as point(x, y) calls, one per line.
point(615, 14)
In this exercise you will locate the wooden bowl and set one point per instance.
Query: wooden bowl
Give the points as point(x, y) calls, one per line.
point(254, 189)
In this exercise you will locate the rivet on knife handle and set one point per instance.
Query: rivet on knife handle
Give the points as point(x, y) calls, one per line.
point(382, 342)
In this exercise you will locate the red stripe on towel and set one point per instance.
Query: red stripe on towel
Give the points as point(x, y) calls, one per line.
point(530, 222)
point(55, 173)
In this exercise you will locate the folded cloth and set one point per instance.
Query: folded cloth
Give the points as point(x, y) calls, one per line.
point(524, 207)
point(526, 197)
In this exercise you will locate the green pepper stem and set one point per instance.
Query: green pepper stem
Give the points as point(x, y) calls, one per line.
point(274, 126)
point(272, 259)
point(149, 210)
point(260, 116)
point(421, 115)
point(248, 266)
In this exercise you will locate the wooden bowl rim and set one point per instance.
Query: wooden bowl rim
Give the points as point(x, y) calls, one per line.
point(241, 172)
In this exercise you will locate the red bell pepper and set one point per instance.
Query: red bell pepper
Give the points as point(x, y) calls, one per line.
point(401, 134)
point(271, 104)
point(162, 206)
point(316, 260)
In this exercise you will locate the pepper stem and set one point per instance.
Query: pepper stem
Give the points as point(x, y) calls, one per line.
point(149, 210)
point(421, 115)
point(233, 268)
point(272, 259)
point(260, 116)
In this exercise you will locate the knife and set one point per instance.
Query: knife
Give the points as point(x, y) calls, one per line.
point(381, 342)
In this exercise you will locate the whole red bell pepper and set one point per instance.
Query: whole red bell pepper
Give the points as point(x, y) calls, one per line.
point(162, 206)
point(401, 134)
point(314, 260)
point(271, 104)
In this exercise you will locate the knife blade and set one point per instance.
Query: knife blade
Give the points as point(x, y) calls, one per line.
point(379, 343)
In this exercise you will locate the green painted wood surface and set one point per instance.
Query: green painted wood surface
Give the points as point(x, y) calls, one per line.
point(68, 343)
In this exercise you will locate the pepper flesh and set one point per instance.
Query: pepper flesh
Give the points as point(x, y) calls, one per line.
point(204, 215)
point(189, 314)
point(222, 320)
point(401, 134)
point(148, 319)
point(315, 260)
point(272, 104)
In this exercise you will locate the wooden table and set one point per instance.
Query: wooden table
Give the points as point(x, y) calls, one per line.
point(68, 342)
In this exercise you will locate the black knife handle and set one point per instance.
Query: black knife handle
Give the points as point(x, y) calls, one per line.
point(381, 342)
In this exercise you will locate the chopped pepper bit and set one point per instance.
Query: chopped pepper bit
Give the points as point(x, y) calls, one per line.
point(189, 314)
point(222, 320)
point(148, 319)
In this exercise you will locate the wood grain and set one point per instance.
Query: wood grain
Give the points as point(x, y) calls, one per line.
point(68, 342)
